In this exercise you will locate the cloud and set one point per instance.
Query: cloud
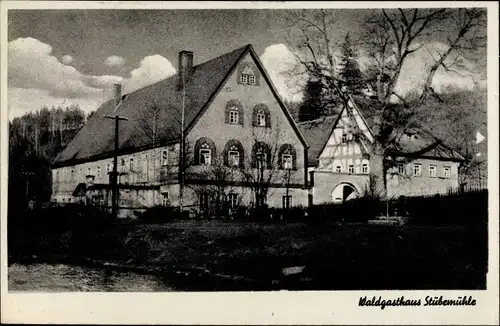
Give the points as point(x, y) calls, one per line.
point(279, 61)
point(151, 70)
point(36, 78)
point(67, 59)
point(114, 61)
point(22, 101)
point(31, 66)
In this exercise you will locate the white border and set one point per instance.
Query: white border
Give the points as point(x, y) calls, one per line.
point(282, 307)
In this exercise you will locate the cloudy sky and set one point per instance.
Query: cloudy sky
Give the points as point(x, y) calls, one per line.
point(74, 56)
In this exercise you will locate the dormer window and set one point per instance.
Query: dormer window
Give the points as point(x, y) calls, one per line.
point(248, 74)
point(344, 138)
point(234, 113)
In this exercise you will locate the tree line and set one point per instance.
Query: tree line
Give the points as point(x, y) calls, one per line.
point(35, 139)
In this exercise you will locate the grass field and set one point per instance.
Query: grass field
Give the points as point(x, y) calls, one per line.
point(215, 255)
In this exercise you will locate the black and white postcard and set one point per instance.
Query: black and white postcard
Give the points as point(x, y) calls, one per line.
point(249, 163)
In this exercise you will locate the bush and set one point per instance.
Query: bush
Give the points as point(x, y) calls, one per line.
point(70, 231)
point(162, 214)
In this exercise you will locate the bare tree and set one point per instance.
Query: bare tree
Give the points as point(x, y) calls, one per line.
point(389, 38)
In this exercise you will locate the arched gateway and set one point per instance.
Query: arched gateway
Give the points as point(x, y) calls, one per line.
point(343, 192)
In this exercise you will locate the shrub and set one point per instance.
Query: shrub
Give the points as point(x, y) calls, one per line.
point(161, 214)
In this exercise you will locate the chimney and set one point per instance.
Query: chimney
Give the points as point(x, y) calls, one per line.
point(185, 66)
point(118, 93)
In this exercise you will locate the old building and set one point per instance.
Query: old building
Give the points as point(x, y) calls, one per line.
point(341, 164)
point(241, 144)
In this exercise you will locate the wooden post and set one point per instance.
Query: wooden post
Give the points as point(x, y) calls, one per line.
point(114, 175)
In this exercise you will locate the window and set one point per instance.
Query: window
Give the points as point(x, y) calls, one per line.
point(164, 200)
point(351, 169)
point(108, 167)
point(164, 157)
point(233, 116)
point(122, 165)
point(131, 164)
point(234, 158)
point(247, 76)
point(338, 169)
point(364, 168)
point(205, 157)
point(98, 171)
point(261, 159)
point(232, 200)
point(244, 79)
point(447, 172)
point(261, 119)
point(417, 170)
point(401, 168)
point(287, 201)
point(432, 171)
point(251, 80)
point(287, 160)
point(344, 138)
point(89, 171)
point(72, 173)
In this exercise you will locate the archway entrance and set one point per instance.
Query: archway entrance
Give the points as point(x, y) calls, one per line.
point(344, 192)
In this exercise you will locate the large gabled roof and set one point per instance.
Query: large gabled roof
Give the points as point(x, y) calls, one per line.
point(96, 139)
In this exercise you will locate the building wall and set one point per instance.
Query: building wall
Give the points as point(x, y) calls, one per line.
point(342, 154)
point(213, 124)
point(326, 181)
point(147, 169)
point(407, 184)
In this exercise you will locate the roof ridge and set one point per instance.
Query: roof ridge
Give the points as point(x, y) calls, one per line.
point(318, 119)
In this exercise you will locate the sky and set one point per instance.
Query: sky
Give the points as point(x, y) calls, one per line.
point(64, 57)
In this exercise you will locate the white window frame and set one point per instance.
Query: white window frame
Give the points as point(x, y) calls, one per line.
point(364, 168)
point(232, 199)
point(350, 169)
point(122, 165)
point(287, 160)
point(447, 172)
point(415, 173)
point(261, 119)
point(234, 116)
point(286, 201)
point(131, 164)
point(401, 168)
point(164, 199)
point(433, 167)
point(89, 171)
point(207, 160)
point(233, 158)
point(344, 138)
point(98, 171)
point(164, 157)
point(244, 79)
point(338, 169)
point(261, 158)
point(251, 79)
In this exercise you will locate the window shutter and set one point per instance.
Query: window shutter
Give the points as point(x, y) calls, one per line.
point(197, 153)
point(294, 158)
point(268, 118)
point(225, 156)
point(241, 116)
point(254, 117)
point(268, 157)
point(226, 115)
point(242, 156)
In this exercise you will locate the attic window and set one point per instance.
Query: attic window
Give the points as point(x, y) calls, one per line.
point(248, 74)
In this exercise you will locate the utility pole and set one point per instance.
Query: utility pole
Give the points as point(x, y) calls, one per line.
point(114, 174)
point(182, 149)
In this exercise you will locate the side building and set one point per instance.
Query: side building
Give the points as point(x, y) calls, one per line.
point(341, 163)
point(241, 143)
